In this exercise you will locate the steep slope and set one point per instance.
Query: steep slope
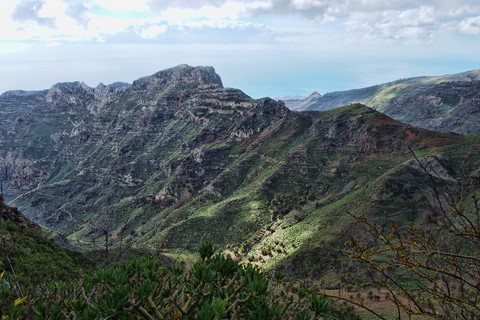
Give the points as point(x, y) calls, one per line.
point(284, 202)
point(99, 156)
point(26, 251)
point(445, 103)
point(175, 159)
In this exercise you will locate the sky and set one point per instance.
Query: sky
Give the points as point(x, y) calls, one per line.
point(270, 48)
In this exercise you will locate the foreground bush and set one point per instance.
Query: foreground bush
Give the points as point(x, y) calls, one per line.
point(216, 287)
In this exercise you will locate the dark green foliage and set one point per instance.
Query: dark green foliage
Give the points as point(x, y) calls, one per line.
point(280, 206)
point(33, 258)
point(320, 305)
point(216, 287)
point(206, 250)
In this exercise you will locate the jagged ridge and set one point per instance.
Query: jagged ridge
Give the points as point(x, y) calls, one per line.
point(178, 160)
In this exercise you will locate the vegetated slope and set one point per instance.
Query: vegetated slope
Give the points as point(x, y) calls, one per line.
point(444, 103)
point(79, 156)
point(214, 287)
point(39, 280)
point(176, 159)
point(26, 253)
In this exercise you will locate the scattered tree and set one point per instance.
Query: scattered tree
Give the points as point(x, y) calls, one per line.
point(432, 268)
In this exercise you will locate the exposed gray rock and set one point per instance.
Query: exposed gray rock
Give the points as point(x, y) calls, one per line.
point(182, 74)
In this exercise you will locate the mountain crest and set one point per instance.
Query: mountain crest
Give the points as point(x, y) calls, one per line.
point(182, 74)
point(69, 93)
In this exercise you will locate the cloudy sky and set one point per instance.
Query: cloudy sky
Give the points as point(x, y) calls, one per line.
point(264, 47)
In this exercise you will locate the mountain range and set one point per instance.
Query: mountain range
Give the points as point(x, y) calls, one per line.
point(443, 103)
point(175, 159)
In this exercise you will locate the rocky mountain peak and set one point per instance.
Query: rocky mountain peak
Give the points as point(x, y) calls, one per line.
point(68, 92)
point(182, 74)
point(70, 86)
point(314, 94)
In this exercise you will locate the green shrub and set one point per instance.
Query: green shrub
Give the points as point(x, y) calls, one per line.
point(215, 287)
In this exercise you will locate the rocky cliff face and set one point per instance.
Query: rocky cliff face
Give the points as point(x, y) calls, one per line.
point(182, 75)
point(175, 159)
point(446, 103)
point(125, 136)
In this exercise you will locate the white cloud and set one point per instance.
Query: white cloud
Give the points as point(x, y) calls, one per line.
point(160, 5)
point(308, 4)
point(470, 26)
point(260, 5)
point(146, 20)
point(7, 31)
point(232, 10)
point(29, 11)
point(412, 25)
point(417, 16)
point(52, 9)
point(153, 31)
point(122, 5)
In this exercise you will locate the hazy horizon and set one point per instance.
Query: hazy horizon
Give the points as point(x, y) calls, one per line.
point(265, 47)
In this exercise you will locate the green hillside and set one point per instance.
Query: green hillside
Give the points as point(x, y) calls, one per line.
point(175, 159)
point(28, 254)
point(443, 103)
